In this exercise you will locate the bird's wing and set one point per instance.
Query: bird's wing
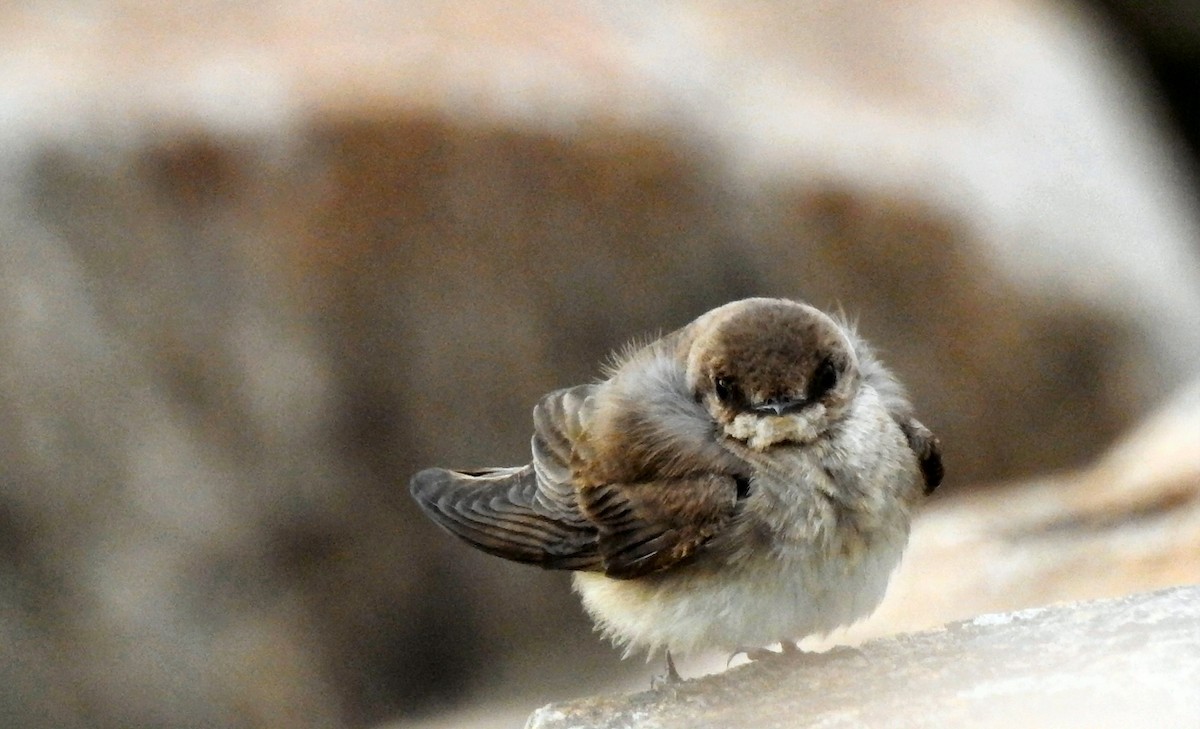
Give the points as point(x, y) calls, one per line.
point(652, 526)
point(528, 514)
point(496, 511)
point(928, 449)
point(547, 514)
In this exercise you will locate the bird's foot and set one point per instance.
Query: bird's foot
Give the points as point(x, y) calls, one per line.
point(793, 649)
point(670, 679)
point(758, 654)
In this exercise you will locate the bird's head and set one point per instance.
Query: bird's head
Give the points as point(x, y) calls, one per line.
point(771, 371)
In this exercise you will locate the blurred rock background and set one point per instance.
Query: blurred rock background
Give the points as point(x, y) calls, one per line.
point(259, 263)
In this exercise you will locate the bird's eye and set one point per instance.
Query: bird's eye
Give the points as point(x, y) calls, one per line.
point(823, 380)
point(743, 487)
point(723, 386)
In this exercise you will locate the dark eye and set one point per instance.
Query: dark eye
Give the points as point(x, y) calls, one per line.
point(823, 380)
point(723, 386)
point(743, 487)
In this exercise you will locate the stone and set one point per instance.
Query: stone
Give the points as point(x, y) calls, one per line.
point(1124, 662)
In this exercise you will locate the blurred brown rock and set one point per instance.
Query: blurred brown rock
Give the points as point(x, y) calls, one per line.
point(258, 263)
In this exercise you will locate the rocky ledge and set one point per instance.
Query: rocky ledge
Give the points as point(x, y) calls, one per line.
point(1127, 662)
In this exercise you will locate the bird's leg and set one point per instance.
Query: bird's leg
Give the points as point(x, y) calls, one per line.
point(670, 679)
point(672, 675)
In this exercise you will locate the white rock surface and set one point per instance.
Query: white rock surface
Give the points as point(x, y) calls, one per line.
point(1128, 662)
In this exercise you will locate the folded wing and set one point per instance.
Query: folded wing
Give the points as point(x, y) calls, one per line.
point(544, 514)
point(501, 512)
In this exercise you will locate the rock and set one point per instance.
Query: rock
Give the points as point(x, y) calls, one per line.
point(1126, 662)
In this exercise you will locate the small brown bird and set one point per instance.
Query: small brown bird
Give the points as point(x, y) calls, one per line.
point(745, 479)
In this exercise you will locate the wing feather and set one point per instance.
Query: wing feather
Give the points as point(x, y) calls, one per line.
point(928, 450)
point(547, 514)
point(650, 527)
point(495, 511)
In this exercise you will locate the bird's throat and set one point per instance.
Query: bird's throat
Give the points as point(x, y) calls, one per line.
point(760, 432)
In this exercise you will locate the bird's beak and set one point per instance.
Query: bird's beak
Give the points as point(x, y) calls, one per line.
point(778, 406)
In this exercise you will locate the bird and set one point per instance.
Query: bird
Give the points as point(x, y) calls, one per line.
point(747, 479)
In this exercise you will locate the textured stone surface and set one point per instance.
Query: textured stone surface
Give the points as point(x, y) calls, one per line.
point(1127, 662)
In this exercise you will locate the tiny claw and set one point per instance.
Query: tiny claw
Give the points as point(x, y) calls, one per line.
point(753, 654)
point(672, 675)
point(668, 680)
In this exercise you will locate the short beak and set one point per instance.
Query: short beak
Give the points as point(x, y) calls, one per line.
point(778, 406)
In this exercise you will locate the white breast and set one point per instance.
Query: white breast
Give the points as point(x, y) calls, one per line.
point(766, 601)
